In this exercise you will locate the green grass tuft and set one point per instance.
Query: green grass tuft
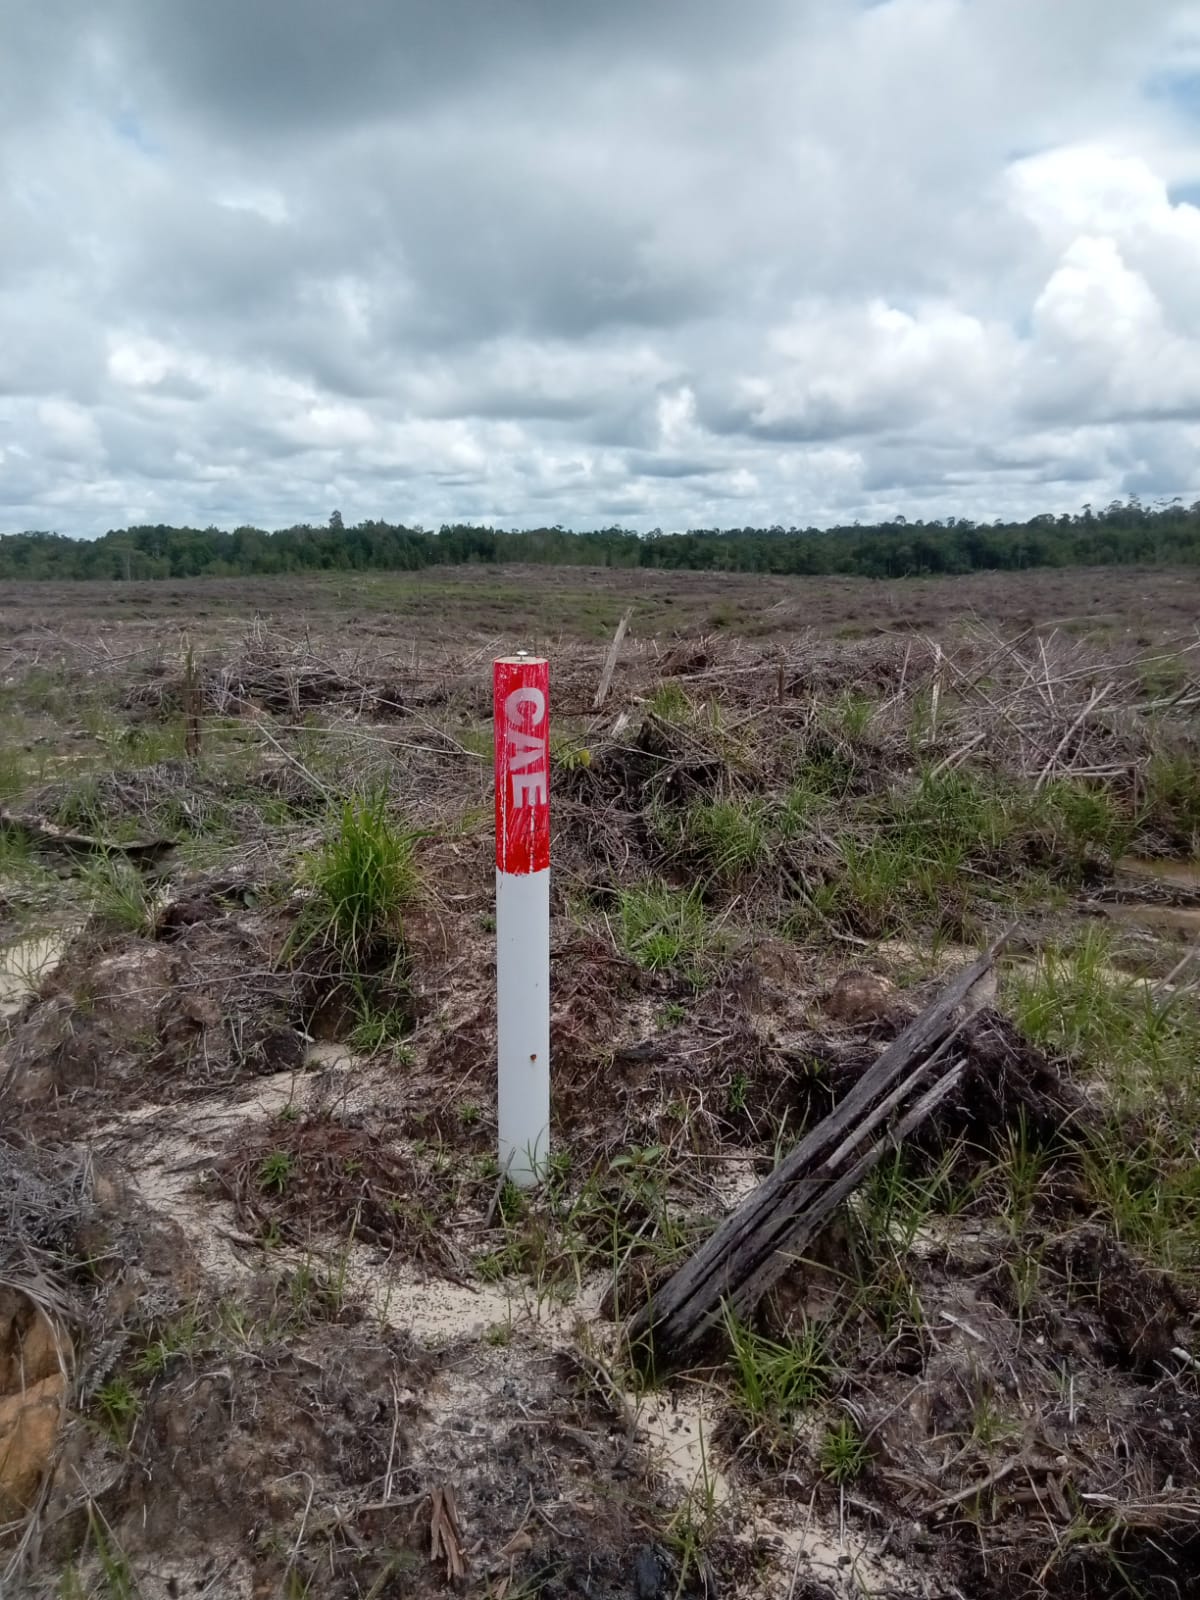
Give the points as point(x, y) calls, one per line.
point(670, 702)
point(276, 1171)
point(896, 1205)
point(773, 1379)
point(843, 1455)
point(721, 838)
point(380, 1023)
point(1138, 1157)
point(119, 894)
point(821, 779)
point(853, 714)
point(1170, 802)
point(362, 875)
point(119, 1408)
point(660, 927)
point(12, 769)
point(1084, 821)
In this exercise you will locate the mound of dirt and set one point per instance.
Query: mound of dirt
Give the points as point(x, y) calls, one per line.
point(1010, 1088)
point(1130, 1315)
point(312, 1175)
point(203, 1000)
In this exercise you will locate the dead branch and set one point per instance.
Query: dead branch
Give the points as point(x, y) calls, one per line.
point(610, 661)
point(42, 832)
point(445, 1537)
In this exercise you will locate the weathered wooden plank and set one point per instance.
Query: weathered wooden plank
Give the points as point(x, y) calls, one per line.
point(747, 1293)
point(754, 1245)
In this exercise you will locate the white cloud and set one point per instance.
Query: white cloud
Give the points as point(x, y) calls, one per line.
point(264, 202)
point(138, 363)
point(842, 371)
point(68, 427)
point(1116, 327)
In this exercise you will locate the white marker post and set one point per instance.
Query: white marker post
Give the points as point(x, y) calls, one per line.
point(521, 698)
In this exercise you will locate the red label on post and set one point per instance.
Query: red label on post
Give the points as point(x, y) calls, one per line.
point(521, 701)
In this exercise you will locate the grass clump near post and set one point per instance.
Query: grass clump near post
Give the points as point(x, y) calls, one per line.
point(361, 876)
point(660, 927)
point(822, 780)
point(912, 856)
point(1084, 821)
point(932, 851)
point(958, 810)
point(853, 714)
point(1170, 802)
point(670, 702)
point(728, 835)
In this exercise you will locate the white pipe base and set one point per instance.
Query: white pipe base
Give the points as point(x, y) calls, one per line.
point(523, 1023)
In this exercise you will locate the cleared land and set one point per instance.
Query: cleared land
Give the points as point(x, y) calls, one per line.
point(548, 603)
point(270, 1321)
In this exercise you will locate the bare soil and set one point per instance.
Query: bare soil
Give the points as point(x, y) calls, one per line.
point(313, 1345)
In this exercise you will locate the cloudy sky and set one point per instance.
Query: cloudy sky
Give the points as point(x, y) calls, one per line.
point(661, 262)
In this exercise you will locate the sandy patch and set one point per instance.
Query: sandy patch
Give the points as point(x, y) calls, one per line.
point(24, 965)
point(1178, 874)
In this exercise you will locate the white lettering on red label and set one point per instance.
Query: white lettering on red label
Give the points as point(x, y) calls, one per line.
point(525, 749)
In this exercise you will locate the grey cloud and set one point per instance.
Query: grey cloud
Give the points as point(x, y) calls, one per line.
point(673, 263)
point(646, 466)
point(301, 67)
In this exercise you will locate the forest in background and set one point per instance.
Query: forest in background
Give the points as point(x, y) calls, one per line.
point(1123, 533)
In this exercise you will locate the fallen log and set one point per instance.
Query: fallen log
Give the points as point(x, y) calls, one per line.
point(41, 832)
point(751, 1249)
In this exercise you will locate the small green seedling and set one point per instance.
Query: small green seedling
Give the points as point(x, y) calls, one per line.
point(276, 1171)
point(843, 1455)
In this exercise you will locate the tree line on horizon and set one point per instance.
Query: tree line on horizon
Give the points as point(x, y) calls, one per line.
point(1123, 533)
